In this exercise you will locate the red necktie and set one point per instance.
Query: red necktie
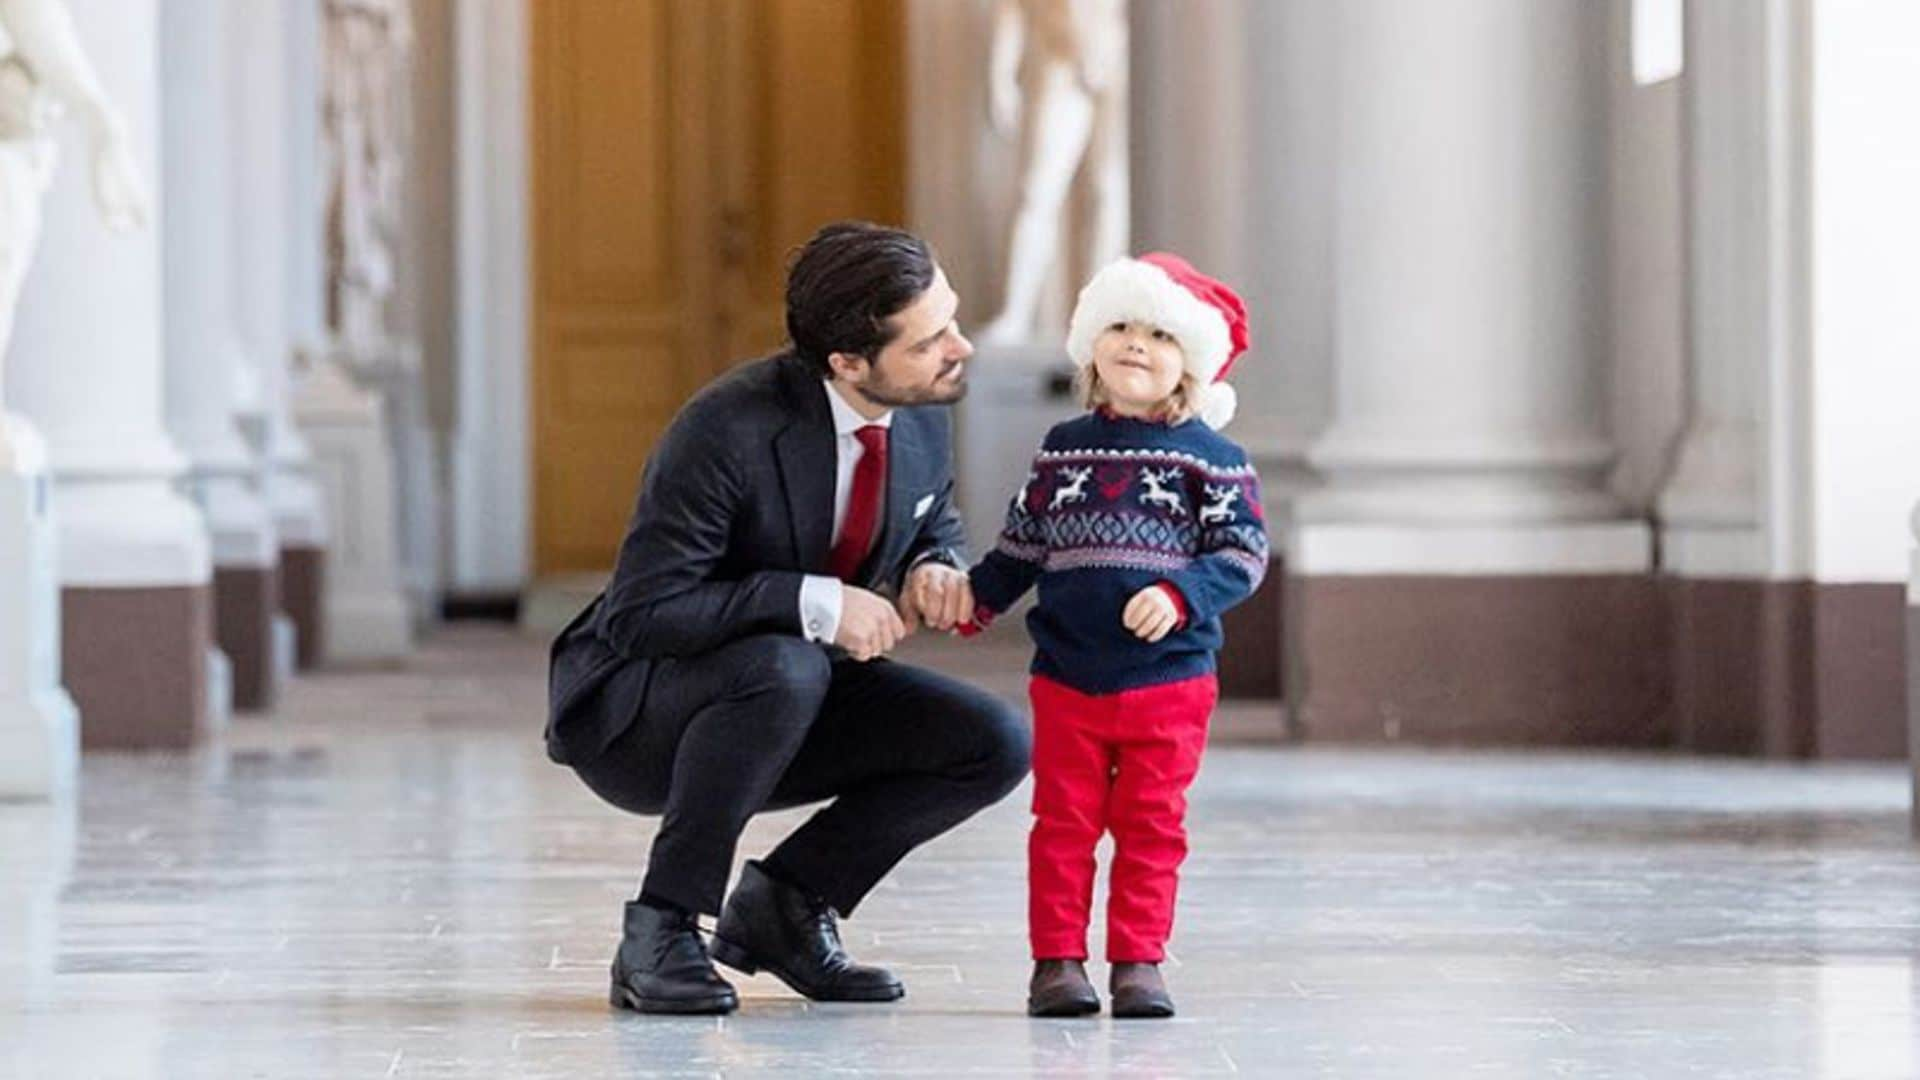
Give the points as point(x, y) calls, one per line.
point(863, 505)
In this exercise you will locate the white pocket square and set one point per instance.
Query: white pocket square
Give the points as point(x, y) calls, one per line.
point(920, 508)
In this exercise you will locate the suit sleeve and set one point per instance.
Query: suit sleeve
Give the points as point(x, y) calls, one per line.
point(941, 535)
point(666, 598)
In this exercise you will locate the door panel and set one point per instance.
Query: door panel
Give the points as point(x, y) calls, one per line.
point(681, 149)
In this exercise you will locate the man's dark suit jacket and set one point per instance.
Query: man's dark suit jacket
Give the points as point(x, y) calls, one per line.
point(735, 508)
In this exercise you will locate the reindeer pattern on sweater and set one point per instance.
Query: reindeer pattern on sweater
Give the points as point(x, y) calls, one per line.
point(1114, 504)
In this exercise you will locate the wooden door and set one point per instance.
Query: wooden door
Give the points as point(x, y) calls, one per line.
point(813, 93)
point(681, 149)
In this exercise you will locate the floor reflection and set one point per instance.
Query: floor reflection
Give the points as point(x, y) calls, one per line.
point(388, 878)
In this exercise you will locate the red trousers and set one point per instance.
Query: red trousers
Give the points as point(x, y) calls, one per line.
point(1118, 763)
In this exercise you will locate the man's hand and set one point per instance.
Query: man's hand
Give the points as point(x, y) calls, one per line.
point(1150, 615)
point(938, 596)
point(869, 627)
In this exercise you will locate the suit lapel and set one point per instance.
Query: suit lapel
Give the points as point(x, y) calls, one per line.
point(805, 452)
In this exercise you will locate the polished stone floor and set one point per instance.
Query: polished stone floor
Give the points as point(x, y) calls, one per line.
point(387, 879)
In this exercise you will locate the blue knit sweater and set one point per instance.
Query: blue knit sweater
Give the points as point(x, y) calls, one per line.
point(1111, 506)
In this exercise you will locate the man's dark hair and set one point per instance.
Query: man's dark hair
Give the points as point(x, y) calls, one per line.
point(845, 283)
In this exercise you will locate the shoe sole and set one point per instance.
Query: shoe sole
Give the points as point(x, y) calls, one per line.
point(1063, 1010)
point(620, 997)
point(1146, 1012)
point(740, 960)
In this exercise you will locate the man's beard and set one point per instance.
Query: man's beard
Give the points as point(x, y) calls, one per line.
point(881, 392)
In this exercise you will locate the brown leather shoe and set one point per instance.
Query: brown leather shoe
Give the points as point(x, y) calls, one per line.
point(1139, 993)
point(1061, 988)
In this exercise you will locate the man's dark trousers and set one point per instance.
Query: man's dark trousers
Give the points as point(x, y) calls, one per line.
point(771, 721)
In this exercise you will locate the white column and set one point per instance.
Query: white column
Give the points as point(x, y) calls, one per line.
point(263, 157)
point(262, 150)
point(87, 347)
point(1289, 58)
point(205, 361)
point(1469, 245)
point(306, 280)
point(488, 470)
point(1740, 189)
point(1234, 152)
point(206, 366)
point(39, 726)
point(133, 554)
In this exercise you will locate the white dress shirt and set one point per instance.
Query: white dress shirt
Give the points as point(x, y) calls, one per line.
point(820, 595)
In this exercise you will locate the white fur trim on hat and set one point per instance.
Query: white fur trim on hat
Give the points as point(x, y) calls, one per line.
point(1129, 290)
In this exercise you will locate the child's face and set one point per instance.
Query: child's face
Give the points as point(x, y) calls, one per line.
point(1139, 365)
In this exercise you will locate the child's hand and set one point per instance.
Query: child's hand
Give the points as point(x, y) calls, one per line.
point(1151, 614)
point(937, 596)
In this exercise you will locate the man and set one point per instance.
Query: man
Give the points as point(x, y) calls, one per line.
point(736, 661)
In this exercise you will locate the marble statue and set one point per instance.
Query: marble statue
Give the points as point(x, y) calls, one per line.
point(1058, 75)
point(41, 69)
point(367, 43)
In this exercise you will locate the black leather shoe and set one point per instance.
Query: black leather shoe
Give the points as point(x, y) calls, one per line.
point(1138, 993)
point(1061, 988)
point(769, 924)
point(661, 967)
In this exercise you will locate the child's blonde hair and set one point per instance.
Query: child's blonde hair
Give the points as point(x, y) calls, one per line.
point(1179, 407)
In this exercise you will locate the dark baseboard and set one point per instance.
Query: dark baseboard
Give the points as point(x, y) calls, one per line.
point(481, 607)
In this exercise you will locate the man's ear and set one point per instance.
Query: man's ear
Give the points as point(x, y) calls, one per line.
point(850, 365)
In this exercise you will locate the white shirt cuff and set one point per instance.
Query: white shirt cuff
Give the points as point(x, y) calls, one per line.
point(820, 599)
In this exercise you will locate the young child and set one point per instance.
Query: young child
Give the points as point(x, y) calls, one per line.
point(1141, 524)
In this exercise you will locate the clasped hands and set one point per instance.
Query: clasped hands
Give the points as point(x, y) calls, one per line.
point(940, 597)
point(936, 595)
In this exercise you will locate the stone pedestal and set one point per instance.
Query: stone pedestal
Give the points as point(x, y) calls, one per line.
point(367, 614)
point(394, 373)
point(1015, 393)
point(39, 726)
point(39, 842)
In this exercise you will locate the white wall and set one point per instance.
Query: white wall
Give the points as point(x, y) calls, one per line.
point(1865, 267)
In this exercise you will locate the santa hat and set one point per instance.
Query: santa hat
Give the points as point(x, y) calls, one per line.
point(1207, 318)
